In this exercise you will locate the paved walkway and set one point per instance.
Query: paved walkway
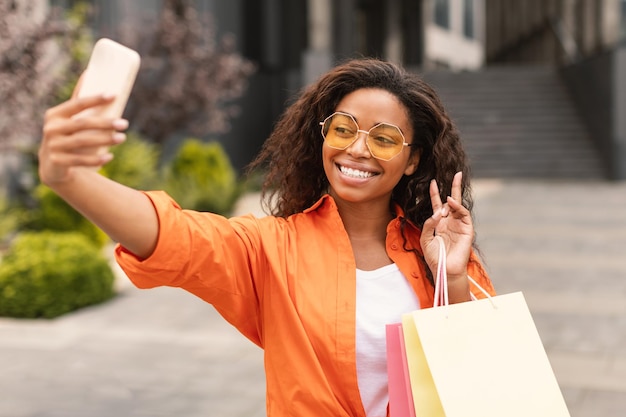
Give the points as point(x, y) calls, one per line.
point(162, 352)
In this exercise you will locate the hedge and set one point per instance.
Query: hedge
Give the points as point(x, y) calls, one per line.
point(47, 274)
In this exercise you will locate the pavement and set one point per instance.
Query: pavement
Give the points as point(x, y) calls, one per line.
point(163, 352)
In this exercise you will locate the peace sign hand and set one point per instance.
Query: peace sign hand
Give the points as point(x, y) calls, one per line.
point(453, 222)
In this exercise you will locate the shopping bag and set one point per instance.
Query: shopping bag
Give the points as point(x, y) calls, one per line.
point(482, 358)
point(400, 395)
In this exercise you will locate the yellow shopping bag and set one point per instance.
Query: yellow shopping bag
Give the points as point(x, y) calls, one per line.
point(482, 358)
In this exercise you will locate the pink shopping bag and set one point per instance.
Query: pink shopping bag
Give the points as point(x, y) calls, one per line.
point(400, 395)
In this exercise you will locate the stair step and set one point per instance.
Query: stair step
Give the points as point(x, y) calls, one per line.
point(518, 122)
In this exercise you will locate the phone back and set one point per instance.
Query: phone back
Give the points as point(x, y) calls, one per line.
point(112, 69)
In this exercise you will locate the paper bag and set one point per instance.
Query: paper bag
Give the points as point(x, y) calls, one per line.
point(481, 358)
point(400, 395)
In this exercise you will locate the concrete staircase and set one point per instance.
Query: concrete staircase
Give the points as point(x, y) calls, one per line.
point(518, 122)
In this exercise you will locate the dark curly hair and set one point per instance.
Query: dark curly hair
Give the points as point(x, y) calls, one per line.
point(292, 155)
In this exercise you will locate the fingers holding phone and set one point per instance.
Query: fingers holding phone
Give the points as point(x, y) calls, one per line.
point(70, 141)
point(79, 132)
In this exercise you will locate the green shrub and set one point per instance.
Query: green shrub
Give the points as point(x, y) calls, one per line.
point(10, 220)
point(135, 164)
point(253, 181)
point(53, 213)
point(201, 177)
point(46, 274)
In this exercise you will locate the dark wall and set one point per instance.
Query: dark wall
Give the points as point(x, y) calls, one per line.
point(273, 36)
point(591, 85)
point(598, 85)
point(619, 111)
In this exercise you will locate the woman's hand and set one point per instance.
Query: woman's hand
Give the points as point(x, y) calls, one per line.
point(69, 142)
point(68, 158)
point(453, 222)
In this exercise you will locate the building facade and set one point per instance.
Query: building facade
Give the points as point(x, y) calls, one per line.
point(586, 40)
point(552, 31)
point(293, 41)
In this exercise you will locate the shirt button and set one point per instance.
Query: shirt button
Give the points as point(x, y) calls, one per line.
point(394, 246)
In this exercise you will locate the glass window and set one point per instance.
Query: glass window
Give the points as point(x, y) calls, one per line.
point(468, 18)
point(442, 13)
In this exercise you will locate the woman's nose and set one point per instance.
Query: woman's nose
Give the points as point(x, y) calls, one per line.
point(359, 148)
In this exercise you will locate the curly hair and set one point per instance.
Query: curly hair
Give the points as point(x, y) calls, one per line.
point(292, 155)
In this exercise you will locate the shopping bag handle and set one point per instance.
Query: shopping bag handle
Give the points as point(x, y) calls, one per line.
point(480, 288)
point(441, 280)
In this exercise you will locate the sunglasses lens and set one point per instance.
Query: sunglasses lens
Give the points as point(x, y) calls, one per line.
point(339, 131)
point(385, 141)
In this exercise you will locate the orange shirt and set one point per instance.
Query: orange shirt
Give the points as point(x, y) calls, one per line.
point(288, 285)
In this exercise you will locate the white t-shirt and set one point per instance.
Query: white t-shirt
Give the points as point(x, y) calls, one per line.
point(382, 296)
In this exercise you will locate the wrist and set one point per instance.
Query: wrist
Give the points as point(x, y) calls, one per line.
point(458, 288)
point(457, 278)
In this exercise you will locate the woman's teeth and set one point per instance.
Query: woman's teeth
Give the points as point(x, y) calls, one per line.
point(355, 172)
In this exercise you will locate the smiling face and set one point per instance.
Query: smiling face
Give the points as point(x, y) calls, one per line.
point(353, 174)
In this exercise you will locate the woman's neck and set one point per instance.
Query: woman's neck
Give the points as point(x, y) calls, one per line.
point(367, 220)
point(366, 225)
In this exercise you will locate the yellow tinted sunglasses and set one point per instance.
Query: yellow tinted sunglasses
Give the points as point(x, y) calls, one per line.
point(384, 141)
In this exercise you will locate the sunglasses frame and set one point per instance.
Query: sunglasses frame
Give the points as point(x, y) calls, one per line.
point(367, 135)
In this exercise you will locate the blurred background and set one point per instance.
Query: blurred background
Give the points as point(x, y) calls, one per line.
point(537, 89)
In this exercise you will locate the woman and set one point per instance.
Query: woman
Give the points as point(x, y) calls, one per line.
point(363, 170)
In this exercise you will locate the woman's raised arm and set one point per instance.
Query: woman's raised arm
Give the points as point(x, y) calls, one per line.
point(68, 163)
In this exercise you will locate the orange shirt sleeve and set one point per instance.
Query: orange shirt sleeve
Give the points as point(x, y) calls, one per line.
point(476, 270)
point(208, 255)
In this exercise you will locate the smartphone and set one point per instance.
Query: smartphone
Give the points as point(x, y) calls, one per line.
point(112, 69)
